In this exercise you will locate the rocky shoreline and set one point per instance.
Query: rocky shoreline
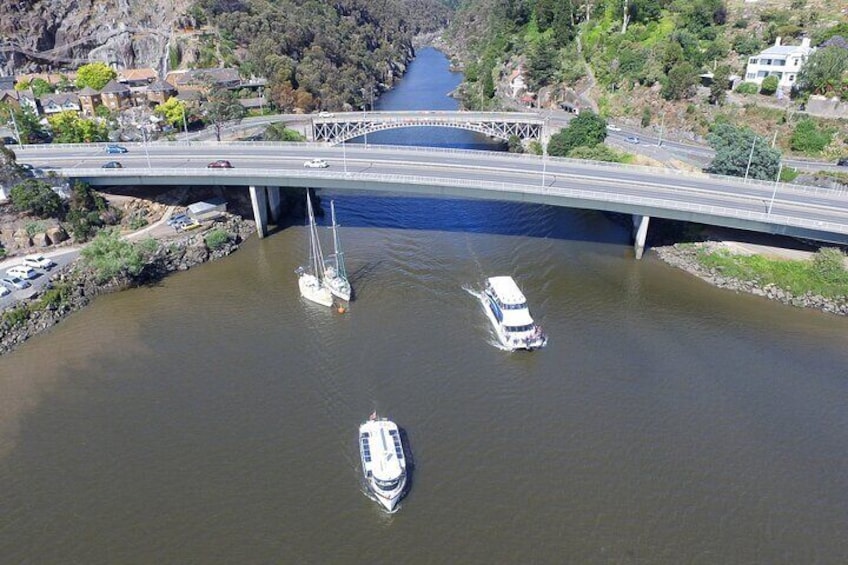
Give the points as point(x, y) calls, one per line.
point(685, 256)
point(172, 254)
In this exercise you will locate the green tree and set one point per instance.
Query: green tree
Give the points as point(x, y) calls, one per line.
point(279, 132)
point(586, 130)
point(680, 82)
point(808, 138)
point(720, 84)
point(769, 85)
point(96, 75)
point(824, 72)
point(36, 197)
point(41, 87)
point(733, 147)
point(541, 64)
point(173, 111)
point(27, 124)
point(69, 127)
point(221, 107)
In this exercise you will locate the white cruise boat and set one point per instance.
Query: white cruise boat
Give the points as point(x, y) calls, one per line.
point(506, 308)
point(383, 460)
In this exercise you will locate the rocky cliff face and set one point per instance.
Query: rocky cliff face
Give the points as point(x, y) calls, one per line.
point(52, 34)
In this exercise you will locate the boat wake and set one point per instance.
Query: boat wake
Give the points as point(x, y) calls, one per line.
point(493, 338)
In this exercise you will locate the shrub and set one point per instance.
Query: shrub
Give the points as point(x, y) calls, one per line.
point(829, 265)
point(33, 228)
point(216, 239)
point(808, 138)
point(646, 117)
point(769, 85)
point(747, 88)
point(111, 257)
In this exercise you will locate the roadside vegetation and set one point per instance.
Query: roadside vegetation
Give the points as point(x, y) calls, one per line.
point(113, 258)
point(824, 275)
point(216, 238)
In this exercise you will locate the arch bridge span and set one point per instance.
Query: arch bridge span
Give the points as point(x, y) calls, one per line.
point(338, 128)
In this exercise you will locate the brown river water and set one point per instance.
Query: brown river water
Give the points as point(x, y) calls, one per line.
point(212, 418)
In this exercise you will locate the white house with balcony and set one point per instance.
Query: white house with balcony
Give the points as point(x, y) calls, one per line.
point(783, 61)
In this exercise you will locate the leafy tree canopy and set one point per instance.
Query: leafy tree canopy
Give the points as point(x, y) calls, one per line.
point(733, 147)
point(221, 106)
point(36, 197)
point(96, 75)
point(586, 130)
point(69, 127)
point(825, 72)
point(173, 111)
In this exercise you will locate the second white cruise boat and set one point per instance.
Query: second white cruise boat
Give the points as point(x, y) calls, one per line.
point(506, 308)
point(383, 460)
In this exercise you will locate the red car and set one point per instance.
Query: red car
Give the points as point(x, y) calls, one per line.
point(220, 164)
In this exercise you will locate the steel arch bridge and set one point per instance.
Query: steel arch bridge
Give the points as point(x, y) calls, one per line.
point(338, 128)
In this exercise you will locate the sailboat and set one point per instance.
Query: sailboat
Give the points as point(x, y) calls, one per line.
point(310, 279)
point(335, 276)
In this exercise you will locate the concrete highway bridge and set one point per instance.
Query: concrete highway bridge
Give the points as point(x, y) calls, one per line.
point(643, 192)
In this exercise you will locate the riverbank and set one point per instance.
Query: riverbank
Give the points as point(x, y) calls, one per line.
point(686, 256)
point(76, 285)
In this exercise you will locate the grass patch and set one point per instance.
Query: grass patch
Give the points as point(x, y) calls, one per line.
point(824, 275)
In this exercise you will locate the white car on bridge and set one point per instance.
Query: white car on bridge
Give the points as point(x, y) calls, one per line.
point(316, 164)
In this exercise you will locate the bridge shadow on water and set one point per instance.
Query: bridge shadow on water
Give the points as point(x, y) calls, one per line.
point(369, 210)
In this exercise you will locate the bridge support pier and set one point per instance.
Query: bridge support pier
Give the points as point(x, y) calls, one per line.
point(259, 200)
point(640, 233)
point(274, 203)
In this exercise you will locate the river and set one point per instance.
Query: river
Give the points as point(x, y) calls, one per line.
point(212, 418)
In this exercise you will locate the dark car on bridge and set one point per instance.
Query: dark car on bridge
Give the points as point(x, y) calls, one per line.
point(843, 162)
point(220, 164)
point(112, 165)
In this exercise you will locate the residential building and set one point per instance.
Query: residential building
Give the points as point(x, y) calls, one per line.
point(116, 96)
point(137, 77)
point(782, 61)
point(89, 100)
point(160, 91)
point(60, 102)
point(20, 99)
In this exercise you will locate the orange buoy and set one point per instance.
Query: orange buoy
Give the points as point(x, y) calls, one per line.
point(342, 310)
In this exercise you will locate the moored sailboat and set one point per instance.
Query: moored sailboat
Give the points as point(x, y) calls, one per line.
point(310, 278)
point(335, 275)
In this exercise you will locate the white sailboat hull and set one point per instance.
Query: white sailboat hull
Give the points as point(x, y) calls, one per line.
point(339, 286)
point(312, 289)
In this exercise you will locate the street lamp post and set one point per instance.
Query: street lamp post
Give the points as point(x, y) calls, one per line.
point(774, 192)
point(662, 125)
point(15, 125)
point(750, 157)
point(146, 152)
point(344, 155)
point(185, 125)
point(365, 126)
point(544, 151)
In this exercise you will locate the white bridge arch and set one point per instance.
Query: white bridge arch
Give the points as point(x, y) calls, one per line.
point(338, 128)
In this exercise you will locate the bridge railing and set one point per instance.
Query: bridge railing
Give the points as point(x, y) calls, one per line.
point(258, 176)
point(499, 155)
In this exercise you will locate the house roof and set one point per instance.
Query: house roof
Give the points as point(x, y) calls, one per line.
point(60, 98)
point(134, 75)
point(160, 85)
point(785, 50)
point(88, 91)
point(115, 87)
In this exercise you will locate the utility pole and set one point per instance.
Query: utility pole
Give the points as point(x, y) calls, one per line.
point(544, 151)
point(750, 157)
point(662, 124)
point(146, 152)
point(773, 139)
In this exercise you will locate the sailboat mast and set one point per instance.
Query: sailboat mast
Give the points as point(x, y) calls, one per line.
point(337, 246)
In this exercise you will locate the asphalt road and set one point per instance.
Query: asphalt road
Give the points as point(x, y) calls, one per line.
point(283, 164)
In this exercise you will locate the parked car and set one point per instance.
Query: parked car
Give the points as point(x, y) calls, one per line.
point(843, 162)
point(112, 149)
point(22, 271)
point(612, 127)
point(14, 283)
point(220, 164)
point(7, 140)
point(323, 114)
point(316, 164)
point(632, 139)
point(112, 165)
point(176, 219)
point(38, 262)
point(4, 291)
